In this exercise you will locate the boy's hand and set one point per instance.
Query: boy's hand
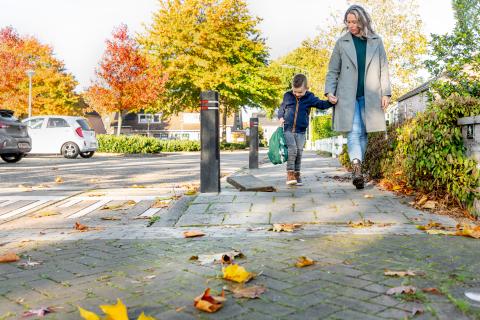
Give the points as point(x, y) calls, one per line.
point(281, 121)
point(332, 99)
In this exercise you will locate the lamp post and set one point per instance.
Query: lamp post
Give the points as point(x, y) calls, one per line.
point(310, 130)
point(30, 74)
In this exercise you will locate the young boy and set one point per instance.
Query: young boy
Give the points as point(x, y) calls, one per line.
point(293, 115)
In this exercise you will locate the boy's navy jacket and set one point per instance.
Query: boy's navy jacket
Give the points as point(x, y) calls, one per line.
point(296, 115)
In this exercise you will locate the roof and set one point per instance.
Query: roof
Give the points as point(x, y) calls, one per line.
point(423, 87)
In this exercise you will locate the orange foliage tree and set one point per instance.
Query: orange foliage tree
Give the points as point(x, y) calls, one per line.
point(125, 82)
point(52, 87)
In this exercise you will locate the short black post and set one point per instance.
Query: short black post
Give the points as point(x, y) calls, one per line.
point(253, 156)
point(209, 142)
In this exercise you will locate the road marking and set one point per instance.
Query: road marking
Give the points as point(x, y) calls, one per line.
point(150, 212)
point(89, 209)
point(23, 209)
point(32, 198)
point(70, 203)
point(7, 203)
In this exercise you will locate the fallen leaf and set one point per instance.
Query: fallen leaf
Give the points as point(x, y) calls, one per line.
point(286, 227)
point(96, 195)
point(58, 180)
point(252, 292)
point(465, 230)
point(160, 204)
point(432, 291)
point(193, 234)
point(9, 257)
point(206, 302)
point(429, 205)
point(122, 206)
point(402, 289)
point(111, 218)
point(136, 186)
point(475, 296)
point(224, 257)
point(47, 213)
point(304, 262)
point(422, 201)
point(117, 311)
point(88, 315)
point(368, 196)
point(237, 273)
point(408, 273)
point(190, 192)
point(441, 232)
point(432, 225)
point(80, 227)
point(397, 188)
point(144, 317)
point(362, 224)
point(38, 312)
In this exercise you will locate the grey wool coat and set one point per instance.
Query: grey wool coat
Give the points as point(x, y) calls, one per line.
point(342, 77)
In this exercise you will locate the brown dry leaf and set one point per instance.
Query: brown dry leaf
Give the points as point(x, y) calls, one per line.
point(160, 203)
point(432, 291)
point(237, 273)
point(80, 227)
point(422, 201)
point(58, 179)
point(408, 273)
point(429, 205)
point(402, 289)
point(122, 206)
point(362, 224)
point(465, 230)
point(111, 218)
point(206, 302)
point(286, 227)
point(193, 234)
point(432, 225)
point(368, 196)
point(252, 292)
point(9, 257)
point(304, 262)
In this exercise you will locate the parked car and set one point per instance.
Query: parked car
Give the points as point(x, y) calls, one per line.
point(69, 136)
point(14, 139)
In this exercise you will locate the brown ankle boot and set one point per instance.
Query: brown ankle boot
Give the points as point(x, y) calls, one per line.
point(357, 174)
point(298, 178)
point(291, 178)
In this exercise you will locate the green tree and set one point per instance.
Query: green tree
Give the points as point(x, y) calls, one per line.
point(322, 127)
point(456, 56)
point(210, 45)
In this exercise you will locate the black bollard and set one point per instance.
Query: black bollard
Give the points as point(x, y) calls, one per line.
point(253, 155)
point(209, 142)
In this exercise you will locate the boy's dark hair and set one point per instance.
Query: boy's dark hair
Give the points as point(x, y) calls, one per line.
point(299, 81)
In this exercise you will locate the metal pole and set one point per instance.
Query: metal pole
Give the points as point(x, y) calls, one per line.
point(209, 142)
point(253, 154)
point(29, 95)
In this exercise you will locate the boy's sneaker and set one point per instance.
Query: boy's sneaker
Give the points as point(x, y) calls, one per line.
point(298, 178)
point(358, 180)
point(291, 180)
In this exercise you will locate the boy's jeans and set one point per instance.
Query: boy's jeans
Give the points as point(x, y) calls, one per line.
point(295, 143)
point(357, 138)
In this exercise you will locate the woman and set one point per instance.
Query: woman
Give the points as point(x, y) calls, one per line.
point(359, 83)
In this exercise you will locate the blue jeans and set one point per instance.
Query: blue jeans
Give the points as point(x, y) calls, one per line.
point(295, 143)
point(357, 138)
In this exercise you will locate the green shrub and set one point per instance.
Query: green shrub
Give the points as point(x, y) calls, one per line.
point(322, 127)
point(344, 158)
point(141, 144)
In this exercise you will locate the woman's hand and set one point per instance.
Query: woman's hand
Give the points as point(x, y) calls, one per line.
point(281, 121)
point(332, 98)
point(385, 102)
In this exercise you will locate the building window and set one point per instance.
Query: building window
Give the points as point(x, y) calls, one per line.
point(149, 118)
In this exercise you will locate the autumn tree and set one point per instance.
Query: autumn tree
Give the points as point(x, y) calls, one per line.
point(52, 86)
point(455, 57)
point(125, 81)
point(211, 45)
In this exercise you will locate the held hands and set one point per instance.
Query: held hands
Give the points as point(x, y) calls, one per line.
point(281, 121)
point(385, 102)
point(332, 99)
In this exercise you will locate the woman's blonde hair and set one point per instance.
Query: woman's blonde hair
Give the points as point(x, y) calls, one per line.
point(363, 20)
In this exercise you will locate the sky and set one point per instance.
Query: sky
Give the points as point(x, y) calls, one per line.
point(77, 29)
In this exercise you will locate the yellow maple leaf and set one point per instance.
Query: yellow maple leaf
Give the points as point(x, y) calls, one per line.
point(115, 312)
point(87, 315)
point(144, 317)
point(236, 273)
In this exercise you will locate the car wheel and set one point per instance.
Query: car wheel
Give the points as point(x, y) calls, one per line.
point(70, 150)
point(86, 155)
point(12, 158)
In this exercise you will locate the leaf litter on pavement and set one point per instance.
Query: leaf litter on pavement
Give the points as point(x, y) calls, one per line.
point(304, 261)
point(84, 228)
point(463, 230)
point(193, 234)
point(208, 303)
point(217, 258)
point(285, 227)
point(121, 206)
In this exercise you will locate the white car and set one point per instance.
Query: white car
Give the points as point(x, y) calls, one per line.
point(69, 136)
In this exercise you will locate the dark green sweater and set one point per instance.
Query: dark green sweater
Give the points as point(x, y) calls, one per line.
point(361, 49)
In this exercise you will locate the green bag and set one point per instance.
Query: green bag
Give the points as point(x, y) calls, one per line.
point(277, 147)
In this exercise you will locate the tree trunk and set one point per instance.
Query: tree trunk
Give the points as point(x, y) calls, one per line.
point(119, 122)
point(224, 124)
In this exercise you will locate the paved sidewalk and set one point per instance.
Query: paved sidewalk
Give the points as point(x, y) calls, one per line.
point(150, 269)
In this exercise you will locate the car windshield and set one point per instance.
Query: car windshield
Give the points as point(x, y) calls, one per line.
point(7, 115)
point(83, 124)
